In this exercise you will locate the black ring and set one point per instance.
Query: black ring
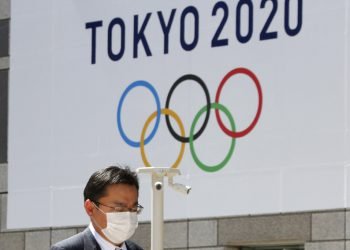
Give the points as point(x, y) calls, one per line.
point(201, 130)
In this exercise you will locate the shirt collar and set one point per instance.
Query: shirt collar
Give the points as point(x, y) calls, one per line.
point(104, 244)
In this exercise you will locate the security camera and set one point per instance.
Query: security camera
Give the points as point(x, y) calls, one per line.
point(158, 185)
point(181, 188)
point(177, 186)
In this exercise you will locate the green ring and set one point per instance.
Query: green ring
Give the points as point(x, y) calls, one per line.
point(233, 142)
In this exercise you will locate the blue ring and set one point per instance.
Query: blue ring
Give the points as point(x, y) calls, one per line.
point(147, 85)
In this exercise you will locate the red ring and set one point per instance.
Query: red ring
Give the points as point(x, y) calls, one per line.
point(218, 92)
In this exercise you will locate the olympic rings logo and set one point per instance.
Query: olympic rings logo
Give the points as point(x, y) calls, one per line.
point(167, 111)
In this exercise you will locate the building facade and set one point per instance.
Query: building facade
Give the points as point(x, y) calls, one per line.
point(309, 230)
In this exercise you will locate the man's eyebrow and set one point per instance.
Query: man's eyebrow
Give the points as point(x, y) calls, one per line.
point(118, 203)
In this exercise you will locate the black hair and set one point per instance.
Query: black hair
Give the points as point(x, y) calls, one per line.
point(96, 186)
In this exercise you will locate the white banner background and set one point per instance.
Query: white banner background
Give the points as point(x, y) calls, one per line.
point(62, 116)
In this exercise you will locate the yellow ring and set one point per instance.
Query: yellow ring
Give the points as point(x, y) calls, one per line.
point(142, 140)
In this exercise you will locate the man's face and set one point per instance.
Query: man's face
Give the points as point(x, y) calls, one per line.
point(117, 195)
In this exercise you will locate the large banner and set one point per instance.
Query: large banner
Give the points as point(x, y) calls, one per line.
point(248, 98)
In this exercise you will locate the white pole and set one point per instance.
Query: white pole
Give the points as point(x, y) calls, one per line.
point(157, 211)
point(157, 219)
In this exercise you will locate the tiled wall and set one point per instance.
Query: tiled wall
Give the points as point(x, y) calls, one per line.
point(318, 230)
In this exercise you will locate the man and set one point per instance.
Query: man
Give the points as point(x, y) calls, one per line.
point(111, 202)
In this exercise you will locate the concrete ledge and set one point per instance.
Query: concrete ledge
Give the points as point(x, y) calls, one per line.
point(142, 236)
point(203, 233)
point(4, 62)
point(61, 234)
point(81, 229)
point(347, 224)
point(3, 178)
point(175, 235)
point(204, 248)
point(3, 212)
point(215, 248)
point(12, 241)
point(327, 245)
point(328, 226)
point(37, 240)
point(292, 228)
point(5, 9)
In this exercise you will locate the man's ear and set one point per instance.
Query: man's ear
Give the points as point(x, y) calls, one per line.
point(89, 207)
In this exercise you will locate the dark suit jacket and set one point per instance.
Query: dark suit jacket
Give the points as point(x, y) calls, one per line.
point(86, 241)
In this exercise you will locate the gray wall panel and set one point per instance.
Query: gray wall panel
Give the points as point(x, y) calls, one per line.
point(3, 114)
point(4, 34)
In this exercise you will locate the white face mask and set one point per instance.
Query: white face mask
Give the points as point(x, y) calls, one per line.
point(120, 226)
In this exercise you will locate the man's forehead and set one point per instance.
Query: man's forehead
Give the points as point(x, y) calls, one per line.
point(121, 190)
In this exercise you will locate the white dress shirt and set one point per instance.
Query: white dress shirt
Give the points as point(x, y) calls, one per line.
point(104, 244)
